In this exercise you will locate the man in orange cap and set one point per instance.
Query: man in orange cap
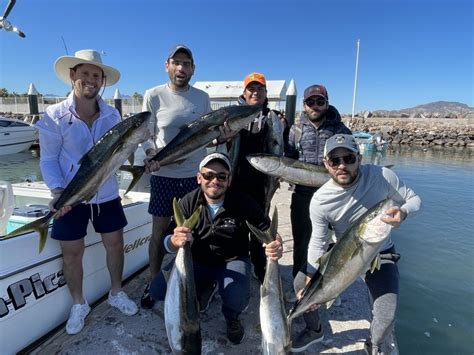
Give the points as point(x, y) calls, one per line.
point(246, 178)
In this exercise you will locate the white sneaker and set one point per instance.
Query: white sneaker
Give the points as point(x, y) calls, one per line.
point(78, 314)
point(123, 303)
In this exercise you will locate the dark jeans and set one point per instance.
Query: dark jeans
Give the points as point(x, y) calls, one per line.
point(233, 279)
point(300, 225)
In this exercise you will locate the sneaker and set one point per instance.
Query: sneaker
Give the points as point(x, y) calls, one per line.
point(78, 314)
point(146, 300)
point(290, 296)
point(206, 296)
point(235, 331)
point(307, 338)
point(123, 303)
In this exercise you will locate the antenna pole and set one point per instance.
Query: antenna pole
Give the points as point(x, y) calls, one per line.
point(65, 47)
point(355, 79)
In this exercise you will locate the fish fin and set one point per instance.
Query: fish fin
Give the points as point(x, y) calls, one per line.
point(262, 236)
point(274, 224)
point(375, 264)
point(178, 213)
point(131, 159)
point(192, 221)
point(166, 274)
point(40, 225)
point(136, 171)
point(389, 166)
point(322, 262)
point(330, 303)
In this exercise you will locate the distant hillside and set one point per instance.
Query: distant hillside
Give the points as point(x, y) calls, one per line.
point(438, 109)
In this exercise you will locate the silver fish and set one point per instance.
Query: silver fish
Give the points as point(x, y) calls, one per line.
point(198, 134)
point(181, 305)
point(97, 165)
point(291, 170)
point(354, 254)
point(273, 319)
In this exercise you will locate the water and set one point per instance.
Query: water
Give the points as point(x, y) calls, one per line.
point(436, 313)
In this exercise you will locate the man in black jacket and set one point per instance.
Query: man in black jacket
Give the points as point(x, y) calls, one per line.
point(220, 244)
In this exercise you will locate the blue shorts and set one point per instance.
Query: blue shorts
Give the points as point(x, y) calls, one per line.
point(164, 189)
point(107, 217)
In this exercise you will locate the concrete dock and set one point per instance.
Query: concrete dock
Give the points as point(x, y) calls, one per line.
point(107, 331)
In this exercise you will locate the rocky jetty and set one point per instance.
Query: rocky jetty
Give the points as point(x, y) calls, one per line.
point(418, 131)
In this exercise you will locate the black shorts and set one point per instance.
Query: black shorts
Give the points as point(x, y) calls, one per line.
point(106, 217)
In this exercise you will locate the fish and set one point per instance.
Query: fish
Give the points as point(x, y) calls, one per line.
point(273, 318)
point(355, 253)
point(291, 170)
point(198, 134)
point(181, 305)
point(273, 144)
point(96, 166)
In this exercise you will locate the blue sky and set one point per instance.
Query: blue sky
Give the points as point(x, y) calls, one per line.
point(412, 51)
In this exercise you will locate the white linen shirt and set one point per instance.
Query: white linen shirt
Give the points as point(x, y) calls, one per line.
point(65, 138)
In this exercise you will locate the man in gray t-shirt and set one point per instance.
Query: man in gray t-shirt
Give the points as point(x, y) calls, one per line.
point(172, 104)
point(353, 190)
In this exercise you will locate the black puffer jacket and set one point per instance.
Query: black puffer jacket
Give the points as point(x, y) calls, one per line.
point(226, 237)
point(312, 141)
point(310, 147)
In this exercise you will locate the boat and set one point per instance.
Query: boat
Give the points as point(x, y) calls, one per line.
point(34, 299)
point(370, 142)
point(16, 135)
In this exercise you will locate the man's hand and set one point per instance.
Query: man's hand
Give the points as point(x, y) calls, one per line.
point(394, 216)
point(274, 250)
point(180, 236)
point(151, 165)
point(225, 135)
point(56, 193)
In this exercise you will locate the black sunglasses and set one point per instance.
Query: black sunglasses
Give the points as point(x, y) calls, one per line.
point(318, 102)
point(347, 159)
point(211, 176)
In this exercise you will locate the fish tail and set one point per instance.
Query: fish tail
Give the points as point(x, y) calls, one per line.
point(136, 171)
point(264, 237)
point(40, 225)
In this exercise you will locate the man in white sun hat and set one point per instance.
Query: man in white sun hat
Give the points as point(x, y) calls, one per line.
point(67, 130)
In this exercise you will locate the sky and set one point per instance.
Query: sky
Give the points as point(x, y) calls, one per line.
point(412, 52)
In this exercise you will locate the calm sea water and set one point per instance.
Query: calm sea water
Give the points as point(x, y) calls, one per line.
point(436, 314)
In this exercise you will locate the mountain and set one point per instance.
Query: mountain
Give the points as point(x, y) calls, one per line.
point(441, 109)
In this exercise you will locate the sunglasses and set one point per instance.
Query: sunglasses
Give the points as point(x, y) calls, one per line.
point(347, 159)
point(211, 176)
point(318, 102)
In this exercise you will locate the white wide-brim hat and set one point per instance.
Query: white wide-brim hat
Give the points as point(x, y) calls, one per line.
point(63, 65)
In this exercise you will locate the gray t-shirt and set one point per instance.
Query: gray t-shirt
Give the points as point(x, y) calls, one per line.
point(340, 207)
point(171, 109)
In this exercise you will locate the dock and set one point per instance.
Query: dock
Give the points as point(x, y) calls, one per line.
point(107, 331)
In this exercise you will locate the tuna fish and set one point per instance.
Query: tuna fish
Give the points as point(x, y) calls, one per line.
point(291, 170)
point(181, 304)
point(353, 255)
point(96, 166)
point(273, 320)
point(198, 134)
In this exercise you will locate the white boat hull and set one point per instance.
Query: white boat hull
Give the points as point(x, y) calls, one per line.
point(34, 298)
point(15, 136)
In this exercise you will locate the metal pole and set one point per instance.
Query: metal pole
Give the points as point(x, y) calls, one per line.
point(290, 108)
point(355, 79)
point(118, 101)
point(33, 99)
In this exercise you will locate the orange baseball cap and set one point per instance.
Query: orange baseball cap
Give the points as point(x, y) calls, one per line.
point(255, 77)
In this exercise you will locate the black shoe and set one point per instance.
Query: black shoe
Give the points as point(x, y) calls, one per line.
point(307, 338)
point(235, 331)
point(206, 296)
point(146, 301)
